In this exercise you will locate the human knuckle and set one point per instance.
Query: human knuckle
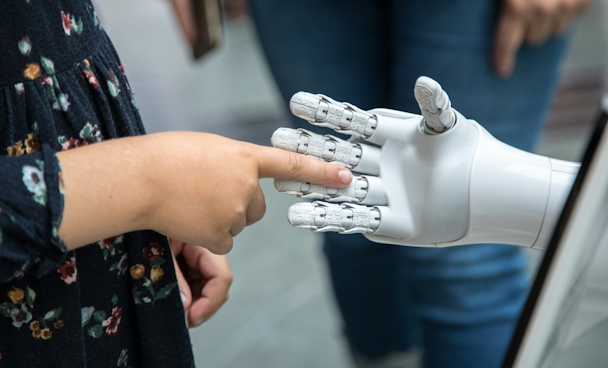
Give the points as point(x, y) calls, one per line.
point(517, 8)
point(547, 8)
point(295, 164)
point(229, 278)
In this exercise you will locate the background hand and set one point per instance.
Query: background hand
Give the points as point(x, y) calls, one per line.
point(203, 278)
point(533, 22)
point(185, 16)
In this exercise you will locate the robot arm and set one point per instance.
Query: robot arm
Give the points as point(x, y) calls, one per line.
point(430, 180)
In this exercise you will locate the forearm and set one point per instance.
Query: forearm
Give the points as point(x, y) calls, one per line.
point(109, 185)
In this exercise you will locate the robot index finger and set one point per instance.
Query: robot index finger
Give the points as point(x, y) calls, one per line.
point(359, 157)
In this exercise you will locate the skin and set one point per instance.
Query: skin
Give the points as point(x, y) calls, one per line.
point(200, 188)
point(531, 22)
point(203, 278)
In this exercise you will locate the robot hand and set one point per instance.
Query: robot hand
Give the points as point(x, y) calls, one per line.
point(430, 180)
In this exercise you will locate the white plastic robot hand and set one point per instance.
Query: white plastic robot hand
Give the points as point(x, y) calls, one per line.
point(433, 180)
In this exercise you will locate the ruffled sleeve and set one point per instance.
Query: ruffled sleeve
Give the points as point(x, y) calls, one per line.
point(31, 206)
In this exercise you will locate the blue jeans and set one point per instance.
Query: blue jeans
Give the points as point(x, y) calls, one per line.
point(460, 304)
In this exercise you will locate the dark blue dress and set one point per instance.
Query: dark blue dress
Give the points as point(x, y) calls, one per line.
point(112, 303)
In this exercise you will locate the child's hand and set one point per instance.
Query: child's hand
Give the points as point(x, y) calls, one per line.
point(203, 278)
point(200, 188)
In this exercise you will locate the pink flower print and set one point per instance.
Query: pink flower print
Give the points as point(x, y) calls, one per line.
point(25, 46)
point(67, 23)
point(91, 78)
point(152, 252)
point(68, 271)
point(46, 80)
point(107, 243)
point(73, 143)
point(112, 322)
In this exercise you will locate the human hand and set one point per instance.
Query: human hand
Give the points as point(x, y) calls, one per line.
point(533, 22)
point(200, 188)
point(203, 279)
point(185, 16)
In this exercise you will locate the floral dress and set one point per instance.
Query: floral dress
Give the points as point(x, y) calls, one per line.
point(114, 303)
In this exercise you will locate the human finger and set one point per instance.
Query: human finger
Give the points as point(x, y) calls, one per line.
point(185, 16)
point(222, 243)
point(360, 157)
point(510, 33)
point(362, 190)
point(563, 21)
point(541, 25)
point(256, 208)
point(211, 278)
point(184, 288)
point(568, 12)
point(277, 163)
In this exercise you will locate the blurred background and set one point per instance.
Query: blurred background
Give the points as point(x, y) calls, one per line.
point(281, 312)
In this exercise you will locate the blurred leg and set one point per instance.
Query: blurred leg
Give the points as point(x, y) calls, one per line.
point(341, 48)
point(469, 298)
point(338, 48)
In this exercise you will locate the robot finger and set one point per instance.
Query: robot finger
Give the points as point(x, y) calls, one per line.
point(434, 105)
point(342, 117)
point(360, 157)
point(345, 218)
point(362, 190)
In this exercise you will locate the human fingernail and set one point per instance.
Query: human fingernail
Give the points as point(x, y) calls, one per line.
point(345, 176)
point(183, 297)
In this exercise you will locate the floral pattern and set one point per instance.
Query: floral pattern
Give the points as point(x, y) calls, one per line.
point(98, 321)
point(60, 83)
point(21, 310)
point(145, 289)
point(68, 271)
point(88, 134)
point(29, 145)
point(33, 179)
point(71, 24)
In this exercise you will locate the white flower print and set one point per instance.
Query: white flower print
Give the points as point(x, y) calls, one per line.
point(20, 316)
point(33, 178)
point(19, 88)
point(63, 101)
point(25, 46)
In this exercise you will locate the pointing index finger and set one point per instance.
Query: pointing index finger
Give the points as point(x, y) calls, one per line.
point(510, 33)
point(279, 164)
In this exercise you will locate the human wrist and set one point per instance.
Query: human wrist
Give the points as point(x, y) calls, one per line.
point(108, 185)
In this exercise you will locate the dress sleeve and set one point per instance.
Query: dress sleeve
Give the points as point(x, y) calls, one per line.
point(31, 206)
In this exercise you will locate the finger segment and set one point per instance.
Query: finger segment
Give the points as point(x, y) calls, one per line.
point(435, 106)
point(345, 218)
point(360, 157)
point(322, 111)
point(362, 190)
